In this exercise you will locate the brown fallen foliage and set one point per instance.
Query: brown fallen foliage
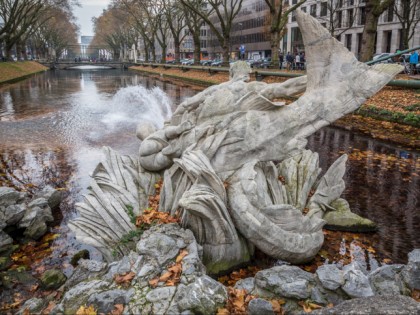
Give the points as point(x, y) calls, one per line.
point(124, 279)
point(173, 275)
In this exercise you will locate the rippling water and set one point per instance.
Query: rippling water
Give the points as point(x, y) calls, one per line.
point(52, 128)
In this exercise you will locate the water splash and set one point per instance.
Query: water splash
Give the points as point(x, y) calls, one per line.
point(138, 104)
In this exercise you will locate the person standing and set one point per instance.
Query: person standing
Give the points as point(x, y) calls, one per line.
point(414, 60)
point(281, 60)
point(289, 60)
point(297, 61)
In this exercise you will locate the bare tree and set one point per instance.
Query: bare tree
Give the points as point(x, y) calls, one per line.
point(176, 21)
point(279, 12)
point(372, 11)
point(219, 16)
point(408, 13)
point(338, 20)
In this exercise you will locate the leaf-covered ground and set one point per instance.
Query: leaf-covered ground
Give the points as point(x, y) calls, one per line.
point(14, 70)
point(392, 115)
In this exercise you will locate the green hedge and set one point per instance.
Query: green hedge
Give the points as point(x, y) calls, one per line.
point(411, 119)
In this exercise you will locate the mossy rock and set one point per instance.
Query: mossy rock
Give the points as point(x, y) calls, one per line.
point(83, 254)
point(344, 220)
point(53, 279)
point(5, 262)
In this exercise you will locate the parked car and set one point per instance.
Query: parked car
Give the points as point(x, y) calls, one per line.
point(377, 56)
point(187, 62)
point(217, 63)
point(206, 62)
point(262, 63)
point(170, 62)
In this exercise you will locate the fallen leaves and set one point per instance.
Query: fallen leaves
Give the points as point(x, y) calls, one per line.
point(151, 216)
point(235, 276)
point(118, 309)
point(308, 306)
point(125, 278)
point(83, 310)
point(173, 275)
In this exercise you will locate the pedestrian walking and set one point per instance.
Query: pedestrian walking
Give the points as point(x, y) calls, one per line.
point(414, 60)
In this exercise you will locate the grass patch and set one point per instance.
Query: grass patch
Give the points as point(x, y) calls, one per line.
point(411, 119)
point(10, 71)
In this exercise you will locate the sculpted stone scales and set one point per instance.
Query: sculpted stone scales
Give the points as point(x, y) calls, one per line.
point(216, 158)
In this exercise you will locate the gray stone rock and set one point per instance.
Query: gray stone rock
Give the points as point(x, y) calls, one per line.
point(247, 284)
point(284, 281)
point(34, 306)
point(383, 305)
point(330, 276)
point(38, 202)
point(86, 270)
point(387, 280)
point(204, 296)
point(52, 196)
point(35, 220)
point(79, 295)
point(13, 214)
point(9, 196)
point(160, 299)
point(53, 279)
point(260, 307)
point(5, 239)
point(356, 282)
point(323, 296)
point(159, 246)
point(105, 301)
point(411, 272)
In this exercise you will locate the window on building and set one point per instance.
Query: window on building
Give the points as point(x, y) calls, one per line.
point(359, 44)
point(203, 44)
point(294, 1)
point(350, 17)
point(313, 10)
point(348, 41)
point(293, 16)
point(324, 25)
point(362, 16)
point(304, 9)
point(389, 15)
point(324, 8)
point(350, 3)
point(340, 3)
point(339, 19)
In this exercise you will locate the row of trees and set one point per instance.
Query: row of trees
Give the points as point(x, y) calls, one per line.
point(44, 28)
point(125, 22)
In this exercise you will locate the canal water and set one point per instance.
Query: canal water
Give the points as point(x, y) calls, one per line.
point(53, 125)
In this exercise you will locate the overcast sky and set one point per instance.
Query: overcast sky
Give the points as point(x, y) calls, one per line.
point(84, 14)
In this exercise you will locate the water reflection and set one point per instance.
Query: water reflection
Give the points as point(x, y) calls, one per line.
point(53, 126)
point(382, 184)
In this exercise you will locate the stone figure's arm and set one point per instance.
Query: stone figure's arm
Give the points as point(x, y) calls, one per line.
point(288, 88)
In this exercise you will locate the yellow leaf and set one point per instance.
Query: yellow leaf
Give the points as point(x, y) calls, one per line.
point(181, 256)
point(222, 311)
point(83, 310)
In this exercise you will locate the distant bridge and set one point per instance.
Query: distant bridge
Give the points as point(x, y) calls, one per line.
point(63, 65)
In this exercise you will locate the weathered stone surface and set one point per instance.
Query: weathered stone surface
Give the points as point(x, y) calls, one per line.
point(5, 239)
point(53, 279)
point(356, 282)
point(284, 281)
point(34, 306)
point(411, 272)
point(36, 214)
point(86, 270)
point(5, 262)
point(9, 196)
point(344, 220)
point(159, 246)
point(260, 307)
point(203, 296)
point(384, 305)
point(160, 299)
point(387, 280)
point(52, 196)
point(10, 278)
point(13, 214)
point(246, 284)
point(105, 301)
point(330, 276)
point(79, 295)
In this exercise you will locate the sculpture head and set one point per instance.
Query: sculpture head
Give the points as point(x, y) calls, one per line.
point(239, 71)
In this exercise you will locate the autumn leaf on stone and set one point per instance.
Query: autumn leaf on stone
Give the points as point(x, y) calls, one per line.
point(124, 279)
point(84, 310)
point(277, 306)
point(181, 256)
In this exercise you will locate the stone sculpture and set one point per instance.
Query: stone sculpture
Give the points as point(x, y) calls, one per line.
point(216, 158)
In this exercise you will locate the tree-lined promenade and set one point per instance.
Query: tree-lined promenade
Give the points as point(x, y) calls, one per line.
point(36, 29)
point(148, 28)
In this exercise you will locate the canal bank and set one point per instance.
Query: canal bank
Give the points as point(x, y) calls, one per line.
point(392, 115)
point(11, 72)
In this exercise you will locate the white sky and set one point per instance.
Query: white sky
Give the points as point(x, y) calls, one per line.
point(84, 14)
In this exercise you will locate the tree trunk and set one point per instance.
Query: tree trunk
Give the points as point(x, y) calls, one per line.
point(197, 49)
point(225, 53)
point(275, 42)
point(368, 35)
point(163, 53)
point(177, 45)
